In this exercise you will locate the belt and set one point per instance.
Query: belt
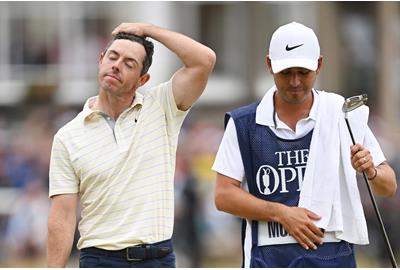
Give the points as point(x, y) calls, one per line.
point(135, 253)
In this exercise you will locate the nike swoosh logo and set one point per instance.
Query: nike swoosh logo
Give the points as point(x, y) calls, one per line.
point(292, 48)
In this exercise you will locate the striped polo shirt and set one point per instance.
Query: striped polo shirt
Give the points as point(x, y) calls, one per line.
point(123, 172)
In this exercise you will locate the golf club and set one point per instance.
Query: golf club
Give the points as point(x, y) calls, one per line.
point(351, 104)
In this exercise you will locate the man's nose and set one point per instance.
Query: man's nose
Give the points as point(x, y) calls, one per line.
point(115, 66)
point(295, 80)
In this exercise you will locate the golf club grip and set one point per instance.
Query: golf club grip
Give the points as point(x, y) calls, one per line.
point(371, 195)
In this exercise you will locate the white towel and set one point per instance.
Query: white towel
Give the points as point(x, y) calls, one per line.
point(330, 186)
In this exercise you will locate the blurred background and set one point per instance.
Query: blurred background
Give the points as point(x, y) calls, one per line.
point(48, 67)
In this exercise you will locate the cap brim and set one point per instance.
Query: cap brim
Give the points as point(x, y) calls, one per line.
point(279, 65)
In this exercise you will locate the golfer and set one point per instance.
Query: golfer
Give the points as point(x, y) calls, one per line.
point(117, 157)
point(287, 166)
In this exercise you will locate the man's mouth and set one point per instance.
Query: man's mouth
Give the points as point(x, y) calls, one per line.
point(114, 77)
point(295, 90)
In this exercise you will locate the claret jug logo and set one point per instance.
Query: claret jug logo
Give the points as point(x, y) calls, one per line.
point(291, 166)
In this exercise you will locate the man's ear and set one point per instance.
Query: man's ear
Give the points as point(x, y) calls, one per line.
point(101, 56)
point(144, 79)
point(320, 61)
point(268, 64)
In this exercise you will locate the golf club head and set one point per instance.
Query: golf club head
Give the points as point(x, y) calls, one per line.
point(354, 102)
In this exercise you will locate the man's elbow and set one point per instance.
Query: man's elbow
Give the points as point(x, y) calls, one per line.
point(208, 60)
point(218, 203)
point(393, 190)
point(220, 199)
point(388, 191)
point(392, 187)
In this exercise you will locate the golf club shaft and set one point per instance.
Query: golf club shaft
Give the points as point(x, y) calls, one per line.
point(392, 259)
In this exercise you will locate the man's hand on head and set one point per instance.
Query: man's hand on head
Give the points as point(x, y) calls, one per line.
point(131, 28)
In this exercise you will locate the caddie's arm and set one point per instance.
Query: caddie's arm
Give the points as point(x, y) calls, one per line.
point(231, 198)
point(61, 229)
point(189, 81)
point(382, 177)
point(384, 183)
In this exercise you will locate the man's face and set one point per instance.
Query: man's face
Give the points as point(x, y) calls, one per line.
point(295, 84)
point(120, 67)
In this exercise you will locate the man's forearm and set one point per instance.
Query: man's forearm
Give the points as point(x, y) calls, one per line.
point(384, 183)
point(189, 81)
point(59, 242)
point(238, 202)
point(298, 222)
point(191, 52)
point(61, 229)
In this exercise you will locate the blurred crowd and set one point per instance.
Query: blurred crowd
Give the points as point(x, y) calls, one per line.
point(25, 145)
point(203, 236)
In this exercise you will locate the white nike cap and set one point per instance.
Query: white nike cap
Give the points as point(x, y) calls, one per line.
point(294, 45)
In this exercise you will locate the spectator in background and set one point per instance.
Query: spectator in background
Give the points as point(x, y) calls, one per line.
point(188, 214)
point(27, 225)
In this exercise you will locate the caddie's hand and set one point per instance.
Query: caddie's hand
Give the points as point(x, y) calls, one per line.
point(131, 28)
point(298, 223)
point(361, 160)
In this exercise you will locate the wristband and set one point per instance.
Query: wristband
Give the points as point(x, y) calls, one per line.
point(375, 174)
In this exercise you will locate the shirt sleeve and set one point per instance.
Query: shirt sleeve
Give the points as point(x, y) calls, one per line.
point(228, 160)
point(371, 143)
point(62, 177)
point(165, 96)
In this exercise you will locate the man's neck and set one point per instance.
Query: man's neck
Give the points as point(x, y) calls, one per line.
point(112, 105)
point(291, 113)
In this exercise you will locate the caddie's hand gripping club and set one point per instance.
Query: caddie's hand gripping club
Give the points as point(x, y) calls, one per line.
point(349, 105)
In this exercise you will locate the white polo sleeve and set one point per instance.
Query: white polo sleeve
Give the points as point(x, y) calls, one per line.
point(228, 160)
point(372, 144)
point(163, 93)
point(62, 177)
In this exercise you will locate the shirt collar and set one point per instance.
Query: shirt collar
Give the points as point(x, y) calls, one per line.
point(88, 113)
point(265, 110)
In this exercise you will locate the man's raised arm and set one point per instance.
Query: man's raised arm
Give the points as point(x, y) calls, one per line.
point(189, 81)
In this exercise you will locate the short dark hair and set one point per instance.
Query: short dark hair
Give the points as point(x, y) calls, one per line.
point(147, 44)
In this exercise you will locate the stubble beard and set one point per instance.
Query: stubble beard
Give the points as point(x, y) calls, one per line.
point(295, 98)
